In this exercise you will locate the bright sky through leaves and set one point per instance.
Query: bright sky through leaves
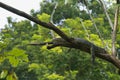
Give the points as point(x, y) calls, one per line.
point(23, 5)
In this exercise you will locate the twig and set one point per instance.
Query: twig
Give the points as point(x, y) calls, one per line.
point(94, 24)
point(51, 19)
point(114, 32)
point(53, 12)
point(40, 44)
point(106, 13)
point(66, 41)
point(84, 28)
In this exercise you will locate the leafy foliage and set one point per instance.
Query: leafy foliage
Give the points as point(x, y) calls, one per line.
point(18, 60)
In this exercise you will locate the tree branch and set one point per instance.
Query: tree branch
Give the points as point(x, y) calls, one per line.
point(51, 19)
point(114, 32)
point(106, 13)
point(85, 46)
point(94, 24)
point(65, 41)
point(46, 25)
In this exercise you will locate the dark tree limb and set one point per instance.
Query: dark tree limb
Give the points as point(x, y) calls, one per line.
point(118, 1)
point(85, 46)
point(46, 25)
point(66, 41)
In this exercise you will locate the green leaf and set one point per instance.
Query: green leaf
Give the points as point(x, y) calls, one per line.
point(9, 77)
point(57, 49)
point(33, 66)
point(15, 76)
point(55, 77)
point(14, 62)
point(3, 73)
point(16, 56)
point(44, 17)
point(12, 76)
point(88, 23)
point(2, 58)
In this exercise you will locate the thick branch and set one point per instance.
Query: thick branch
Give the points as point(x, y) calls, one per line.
point(85, 46)
point(46, 25)
point(65, 41)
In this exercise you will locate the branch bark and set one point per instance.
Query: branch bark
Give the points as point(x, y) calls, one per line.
point(82, 45)
point(46, 25)
point(106, 13)
point(114, 32)
point(66, 41)
point(51, 19)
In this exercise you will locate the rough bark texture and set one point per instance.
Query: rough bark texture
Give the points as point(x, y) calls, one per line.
point(85, 46)
point(66, 41)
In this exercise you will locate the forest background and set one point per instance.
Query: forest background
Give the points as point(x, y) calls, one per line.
point(29, 51)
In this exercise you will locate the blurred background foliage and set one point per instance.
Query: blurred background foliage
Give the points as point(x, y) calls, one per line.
point(18, 60)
